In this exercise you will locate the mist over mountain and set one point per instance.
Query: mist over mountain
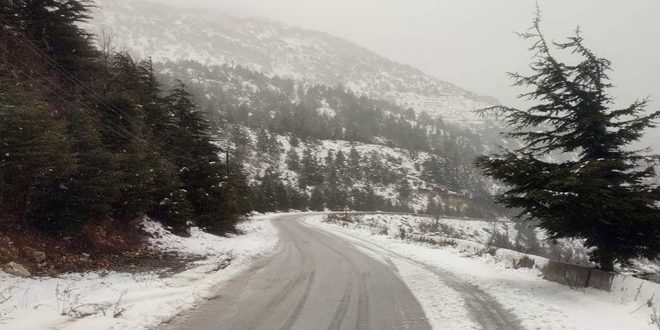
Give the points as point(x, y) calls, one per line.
point(280, 95)
point(272, 48)
point(160, 164)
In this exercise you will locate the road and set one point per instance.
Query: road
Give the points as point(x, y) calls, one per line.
point(317, 280)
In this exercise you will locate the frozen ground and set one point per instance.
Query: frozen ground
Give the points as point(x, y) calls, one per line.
point(448, 283)
point(456, 290)
point(134, 301)
point(522, 237)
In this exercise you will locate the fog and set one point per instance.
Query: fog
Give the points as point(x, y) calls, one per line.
point(472, 43)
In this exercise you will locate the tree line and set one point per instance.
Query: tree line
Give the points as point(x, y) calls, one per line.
point(235, 96)
point(308, 176)
point(89, 136)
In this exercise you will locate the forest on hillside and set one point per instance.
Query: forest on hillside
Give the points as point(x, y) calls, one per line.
point(281, 118)
point(93, 138)
point(89, 137)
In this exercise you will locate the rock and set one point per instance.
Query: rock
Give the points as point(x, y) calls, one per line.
point(7, 248)
point(15, 269)
point(34, 254)
point(99, 238)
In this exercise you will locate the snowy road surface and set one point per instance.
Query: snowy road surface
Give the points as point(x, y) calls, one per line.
point(319, 280)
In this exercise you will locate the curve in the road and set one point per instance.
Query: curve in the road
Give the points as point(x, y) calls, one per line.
point(314, 281)
point(485, 310)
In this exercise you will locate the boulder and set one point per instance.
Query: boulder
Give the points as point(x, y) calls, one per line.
point(100, 239)
point(7, 248)
point(34, 254)
point(16, 269)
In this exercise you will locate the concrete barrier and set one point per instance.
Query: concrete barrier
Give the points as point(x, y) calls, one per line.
point(555, 271)
point(625, 288)
point(567, 274)
point(577, 276)
point(601, 280)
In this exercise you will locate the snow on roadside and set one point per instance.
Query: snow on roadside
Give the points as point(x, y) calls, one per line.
point(134, 301)
point(503, 234)
point(538, 304)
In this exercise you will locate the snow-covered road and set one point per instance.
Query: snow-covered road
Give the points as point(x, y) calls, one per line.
point(322, 276)
point(459, 291)
point(314, 281)
point(325, 276)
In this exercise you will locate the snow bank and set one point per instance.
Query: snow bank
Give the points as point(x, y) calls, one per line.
point(503, 235)
point(134, 301)
point(628, 289)
point(537, 303)
point(507, 257)
point(624, 289)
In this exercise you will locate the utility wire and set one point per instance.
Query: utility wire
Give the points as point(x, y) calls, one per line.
point(82, 106)
point(53, 64)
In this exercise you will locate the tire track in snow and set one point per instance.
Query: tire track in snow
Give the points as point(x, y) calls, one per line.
point(483, 307)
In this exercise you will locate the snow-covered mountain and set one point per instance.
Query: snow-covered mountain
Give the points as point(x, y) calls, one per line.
point(166, 34)
point(265, 84)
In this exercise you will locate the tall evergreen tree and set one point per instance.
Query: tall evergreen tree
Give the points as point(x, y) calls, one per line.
point(199, 166)
point(54, 27)
point(36, 162)
point(94, 187)
point(405, 193)
point(316, 200)
point(310, 170)
point(270, 193)
point(293, 160)
point(603, 195)
point(354, 162)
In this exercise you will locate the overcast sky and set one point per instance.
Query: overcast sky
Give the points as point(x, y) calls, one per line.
point(472, 44)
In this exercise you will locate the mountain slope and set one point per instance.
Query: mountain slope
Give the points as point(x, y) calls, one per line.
point(166, 34)
point(264, 121)
point(312, 120)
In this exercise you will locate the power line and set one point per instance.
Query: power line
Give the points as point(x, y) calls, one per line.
point(53, 64)
point(69, 102)
point(125, 133)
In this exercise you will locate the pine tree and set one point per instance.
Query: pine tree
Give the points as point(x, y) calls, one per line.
point(199, 166)
point(94, 189)
point(293, 160)
point(271, 195)
point(237, 184)
point(36, 162)
point(262, 141)
point(603, 195)
point(316, 200)
point(126, 135)
point(354, 168)
point(54, 26)
point(294, 141)
point(405, 194)
point(341, 168)
point(267, 143)
point(173, 207)
point(311, 173)
point(331, 177)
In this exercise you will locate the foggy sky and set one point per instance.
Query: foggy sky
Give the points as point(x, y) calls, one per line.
point(472, 44)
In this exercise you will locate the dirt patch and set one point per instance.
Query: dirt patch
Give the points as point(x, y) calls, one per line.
point(101, 247)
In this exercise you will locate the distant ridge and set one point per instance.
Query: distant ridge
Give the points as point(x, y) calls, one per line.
point(169, 34)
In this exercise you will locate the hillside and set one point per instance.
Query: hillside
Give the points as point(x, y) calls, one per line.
point(256, 77)
point(165, 34)
point(268, 124)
